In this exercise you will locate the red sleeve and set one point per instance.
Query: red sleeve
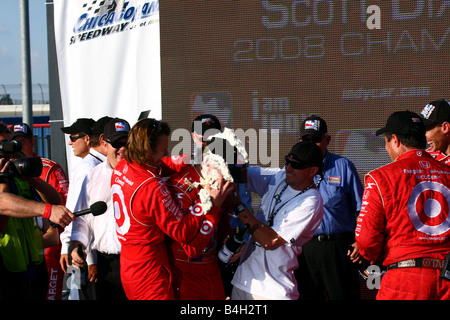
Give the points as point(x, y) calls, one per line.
point(58, 179)
point(371, 223)
point(195, 247)
point(171, 220)
point(170, 165)
point(191, 201)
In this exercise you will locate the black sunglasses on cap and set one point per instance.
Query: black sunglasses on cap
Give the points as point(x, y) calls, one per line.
point(155, 129)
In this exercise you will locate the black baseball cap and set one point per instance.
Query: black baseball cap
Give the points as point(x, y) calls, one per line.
point(403, 123)
point(116, 129)
point(99, 126)
point(22, 129)
point(81, 125)
point(314, 126)
point(307, 153)
point(205, 122)
point(436, 112)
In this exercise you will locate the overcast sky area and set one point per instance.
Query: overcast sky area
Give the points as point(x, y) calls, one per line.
point(10, 46)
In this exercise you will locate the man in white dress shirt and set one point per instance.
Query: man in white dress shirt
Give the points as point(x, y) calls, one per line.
point(86, 139)
point(99, 232)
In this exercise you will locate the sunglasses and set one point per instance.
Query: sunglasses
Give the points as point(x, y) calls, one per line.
point(314, 139)
point(156, 128)
point(117, 144)
point(75, 138)
point(295, 164)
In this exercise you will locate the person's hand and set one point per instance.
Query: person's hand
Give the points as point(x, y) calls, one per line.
point(61, 215)
point(237, 255)
point(3, 169)
point(224, 189)
point(64, 262)
point(78, 255)
point(354, 254)
point(92, 273)
point(3, 165)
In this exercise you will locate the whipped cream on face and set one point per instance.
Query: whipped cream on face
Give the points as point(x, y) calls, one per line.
point(214, 165)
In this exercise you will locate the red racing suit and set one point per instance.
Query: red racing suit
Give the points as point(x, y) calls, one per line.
point(439, 156)
point(405, 215)
point(145, 213)
point(197, 275)
point(53, 174)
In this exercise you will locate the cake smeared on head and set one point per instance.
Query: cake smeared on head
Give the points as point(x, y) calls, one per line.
point(224, 152)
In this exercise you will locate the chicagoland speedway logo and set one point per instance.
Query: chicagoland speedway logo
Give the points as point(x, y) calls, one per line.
point(108, 17)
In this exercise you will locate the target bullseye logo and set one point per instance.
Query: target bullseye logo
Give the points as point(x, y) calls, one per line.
point(197, 210)
point(206, 227)
point(123, 222)
point(428, 208)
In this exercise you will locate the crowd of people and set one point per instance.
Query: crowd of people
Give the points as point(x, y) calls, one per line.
point(167, 218)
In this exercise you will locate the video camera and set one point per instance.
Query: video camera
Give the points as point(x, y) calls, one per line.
point(26, 166)
point(10, 146)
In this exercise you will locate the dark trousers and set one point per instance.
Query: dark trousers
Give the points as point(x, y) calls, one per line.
point(109, 285)
point(326, 272)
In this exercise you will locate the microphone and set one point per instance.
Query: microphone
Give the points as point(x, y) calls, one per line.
point(96, 209)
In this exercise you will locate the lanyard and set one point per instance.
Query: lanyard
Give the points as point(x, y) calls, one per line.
point(323, 170)
point(278, 200)
point(96, 157)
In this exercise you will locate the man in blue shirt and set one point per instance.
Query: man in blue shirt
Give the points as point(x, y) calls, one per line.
point(327, 263)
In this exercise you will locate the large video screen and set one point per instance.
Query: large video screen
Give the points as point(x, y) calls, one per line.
point(267, 65)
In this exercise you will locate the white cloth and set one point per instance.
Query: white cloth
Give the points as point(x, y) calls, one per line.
point(98, 232)
point(75, 199)
point(270, 273)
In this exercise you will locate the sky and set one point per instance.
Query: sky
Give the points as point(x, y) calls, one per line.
point(10, 46)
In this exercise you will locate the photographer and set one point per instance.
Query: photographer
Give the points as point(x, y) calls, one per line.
point(21, 246)
point(53, 174)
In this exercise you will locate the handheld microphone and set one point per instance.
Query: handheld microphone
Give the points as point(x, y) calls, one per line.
point(96, 209)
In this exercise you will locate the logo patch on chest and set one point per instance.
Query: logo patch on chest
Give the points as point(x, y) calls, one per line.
point(335, 180)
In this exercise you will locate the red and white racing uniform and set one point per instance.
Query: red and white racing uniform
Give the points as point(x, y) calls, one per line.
point(174, 164)
point(405, 215)
point(197, 275)
point(145, 213)
point(439, 156)
point(53, 174)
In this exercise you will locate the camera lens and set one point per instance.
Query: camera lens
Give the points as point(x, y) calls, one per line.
point(28, 166)
point(10, 146)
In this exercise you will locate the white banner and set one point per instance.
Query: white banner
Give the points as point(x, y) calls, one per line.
point(108, 58)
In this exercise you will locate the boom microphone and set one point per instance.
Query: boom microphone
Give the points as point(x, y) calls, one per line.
point(96, 209)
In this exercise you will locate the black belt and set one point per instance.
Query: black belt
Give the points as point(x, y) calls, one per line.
point(418, 263)
point(329, 237)
point(109, 256)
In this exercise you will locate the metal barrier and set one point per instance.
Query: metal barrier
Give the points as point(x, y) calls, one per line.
point(12, 93)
